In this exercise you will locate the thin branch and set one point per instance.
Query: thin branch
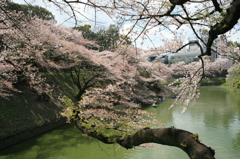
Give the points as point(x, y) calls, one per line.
point(144, 28)
point(193, 29)
point(74, 15)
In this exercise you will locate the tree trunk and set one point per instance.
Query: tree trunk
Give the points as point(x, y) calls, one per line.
point(182, 139)
point(79, 95)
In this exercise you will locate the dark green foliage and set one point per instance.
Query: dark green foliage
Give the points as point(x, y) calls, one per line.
point(107, 39)
point(86, 32)
point(145, 74)
point(56, 56)
point(32, 11)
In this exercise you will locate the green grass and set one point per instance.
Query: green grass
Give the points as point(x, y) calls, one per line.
point(225, 84)
point(27, 110)
point(62, 84)
point(213, 81)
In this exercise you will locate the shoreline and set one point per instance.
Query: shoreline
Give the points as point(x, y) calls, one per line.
point(29, 133)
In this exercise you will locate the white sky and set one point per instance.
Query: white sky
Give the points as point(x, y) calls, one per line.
point(104, 21)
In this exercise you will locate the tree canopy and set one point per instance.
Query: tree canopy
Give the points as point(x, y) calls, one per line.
point(31, 10)
point(108, 39)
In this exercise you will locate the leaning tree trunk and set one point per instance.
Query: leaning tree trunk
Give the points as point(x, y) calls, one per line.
point(182, 139)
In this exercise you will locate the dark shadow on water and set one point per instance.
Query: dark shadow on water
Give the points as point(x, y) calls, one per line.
point(55, 140)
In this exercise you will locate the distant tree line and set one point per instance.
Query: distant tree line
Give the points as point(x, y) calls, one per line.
point(30, 10)
point(108, 39)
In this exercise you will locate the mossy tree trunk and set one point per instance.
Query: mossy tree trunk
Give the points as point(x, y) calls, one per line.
point(182, 139)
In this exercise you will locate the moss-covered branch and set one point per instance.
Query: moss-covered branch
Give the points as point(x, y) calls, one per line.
point(182, 139)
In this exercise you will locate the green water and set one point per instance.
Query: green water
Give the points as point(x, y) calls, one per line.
point(215, 116)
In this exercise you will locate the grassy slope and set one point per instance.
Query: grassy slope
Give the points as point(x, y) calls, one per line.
point(26, 110)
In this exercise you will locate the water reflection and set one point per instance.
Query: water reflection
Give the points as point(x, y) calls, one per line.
point(47, 145)
point(236, 142)
point(215, 116)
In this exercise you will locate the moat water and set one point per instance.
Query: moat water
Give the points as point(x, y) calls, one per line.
point(215, 117)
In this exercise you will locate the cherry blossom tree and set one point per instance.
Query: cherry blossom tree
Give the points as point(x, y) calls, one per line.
point(16, 52)
point(30, 46)
point(217, 17)
point(86, 75)
point(211, 69)
point(110, 114)
point(23, 38)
